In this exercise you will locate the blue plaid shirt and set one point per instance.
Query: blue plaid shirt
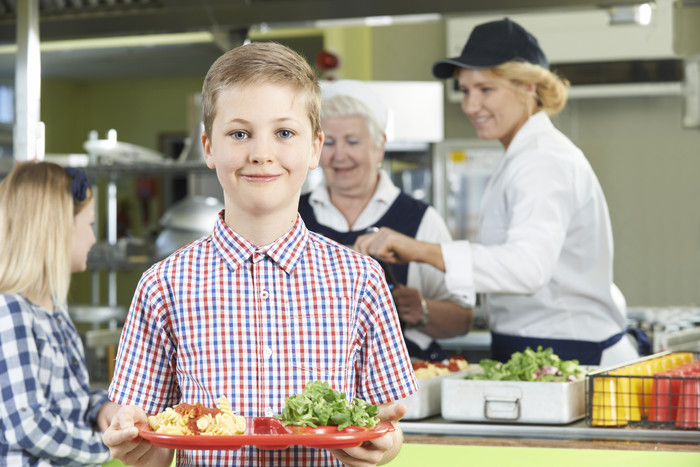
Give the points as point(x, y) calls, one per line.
point(47, 411)
point(222, 317)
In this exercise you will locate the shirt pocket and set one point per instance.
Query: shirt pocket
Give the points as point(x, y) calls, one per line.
point(322, 334)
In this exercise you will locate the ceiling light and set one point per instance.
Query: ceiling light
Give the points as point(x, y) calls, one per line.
point(148, 40)
point(631, 14)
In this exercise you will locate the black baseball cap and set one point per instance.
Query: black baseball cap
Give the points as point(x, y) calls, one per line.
point(491, 44)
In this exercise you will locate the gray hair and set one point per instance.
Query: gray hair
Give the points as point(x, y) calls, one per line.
point(340, 106)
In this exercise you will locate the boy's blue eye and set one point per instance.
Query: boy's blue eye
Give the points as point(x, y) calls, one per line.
point(239, 135)
point(285, 134)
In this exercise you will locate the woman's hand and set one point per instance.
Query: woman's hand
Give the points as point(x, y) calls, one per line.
point(408, 304)
point(391, 246)
point(122, 439)
point(386, 245)
point(378, 451)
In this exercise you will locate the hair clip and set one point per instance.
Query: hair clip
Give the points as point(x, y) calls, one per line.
point(80, 184)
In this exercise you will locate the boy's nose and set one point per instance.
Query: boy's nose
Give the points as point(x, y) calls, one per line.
point(261, 151)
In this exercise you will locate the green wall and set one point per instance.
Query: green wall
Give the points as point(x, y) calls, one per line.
point(140, 110)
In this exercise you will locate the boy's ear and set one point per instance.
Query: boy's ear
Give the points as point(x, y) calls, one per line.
point(206, 147)
point(317, 146)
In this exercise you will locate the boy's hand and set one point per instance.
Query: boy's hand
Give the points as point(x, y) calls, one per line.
point(124, 444)
point(105, 415)
point(377, 451)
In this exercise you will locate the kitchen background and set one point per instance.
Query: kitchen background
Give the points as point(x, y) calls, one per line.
point(644, 145)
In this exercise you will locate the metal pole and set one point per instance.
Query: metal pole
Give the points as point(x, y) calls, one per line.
point(27, 81)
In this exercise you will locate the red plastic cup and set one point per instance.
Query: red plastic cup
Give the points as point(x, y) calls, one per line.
point(660, 408)
point(689, 403)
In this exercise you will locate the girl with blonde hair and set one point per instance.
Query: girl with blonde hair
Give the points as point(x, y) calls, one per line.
point(48, 413)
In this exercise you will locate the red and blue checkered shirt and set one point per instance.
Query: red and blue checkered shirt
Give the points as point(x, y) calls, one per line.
point(255, 324)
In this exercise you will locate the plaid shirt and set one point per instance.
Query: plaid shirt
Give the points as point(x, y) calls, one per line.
point(224, 317)
point(47, 411)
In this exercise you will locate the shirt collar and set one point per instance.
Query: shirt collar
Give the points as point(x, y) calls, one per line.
point(537, 123)
point(236, 250)
point(386, 192)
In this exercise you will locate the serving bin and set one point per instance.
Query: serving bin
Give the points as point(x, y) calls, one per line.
point(658, 391)
point(512, 401)
point(426, 401)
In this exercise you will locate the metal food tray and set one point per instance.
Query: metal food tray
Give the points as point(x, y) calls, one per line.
point(512, 401)
point(425, 402)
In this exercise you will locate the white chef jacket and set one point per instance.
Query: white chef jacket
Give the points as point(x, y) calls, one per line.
point(429, 281)
point(544, 251)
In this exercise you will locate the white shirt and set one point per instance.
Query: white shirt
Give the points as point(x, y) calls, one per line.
point(544, 256)
point(429, 281)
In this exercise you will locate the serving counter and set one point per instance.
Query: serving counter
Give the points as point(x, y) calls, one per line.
point(442, 442)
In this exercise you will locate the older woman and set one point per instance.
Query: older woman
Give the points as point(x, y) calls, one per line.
point(358, 196)
point(544, 255)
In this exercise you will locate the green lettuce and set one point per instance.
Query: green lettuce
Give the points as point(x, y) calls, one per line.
point(321, 405)
point(531, 365)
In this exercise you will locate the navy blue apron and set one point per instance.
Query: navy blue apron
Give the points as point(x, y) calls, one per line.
point(405, 216)
point(586, 352)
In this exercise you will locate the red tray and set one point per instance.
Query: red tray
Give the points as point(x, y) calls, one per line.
point(270, 433)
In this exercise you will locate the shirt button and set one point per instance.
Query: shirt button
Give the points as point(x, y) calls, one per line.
point(75, 362)
point(267, 352)
point(264, 294)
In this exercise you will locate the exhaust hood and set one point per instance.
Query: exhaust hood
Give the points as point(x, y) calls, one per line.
point(626, 58)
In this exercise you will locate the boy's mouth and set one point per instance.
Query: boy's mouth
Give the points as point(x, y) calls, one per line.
point(260, 178)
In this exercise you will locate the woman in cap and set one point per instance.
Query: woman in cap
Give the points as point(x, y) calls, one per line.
point(543, 259)
point(356, 196)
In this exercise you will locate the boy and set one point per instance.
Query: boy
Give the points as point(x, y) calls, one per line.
point(261, 306)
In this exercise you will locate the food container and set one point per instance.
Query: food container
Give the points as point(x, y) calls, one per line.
point(554, 403)
point(426, 402)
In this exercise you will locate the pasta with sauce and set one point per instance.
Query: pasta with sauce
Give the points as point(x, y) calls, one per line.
point(195, 419)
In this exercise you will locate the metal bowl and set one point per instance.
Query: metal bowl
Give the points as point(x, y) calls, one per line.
point(194, 214)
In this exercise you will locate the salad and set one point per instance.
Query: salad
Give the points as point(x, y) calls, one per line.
point(531, 365)
point(321, 405)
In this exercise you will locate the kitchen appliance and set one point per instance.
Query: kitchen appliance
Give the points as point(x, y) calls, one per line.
point(461, 171)
point(186, 221)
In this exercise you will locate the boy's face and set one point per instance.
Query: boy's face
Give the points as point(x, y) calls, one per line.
point(262, 147)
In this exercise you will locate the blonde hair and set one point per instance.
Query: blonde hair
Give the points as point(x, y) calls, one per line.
point(261, 63)
point(552, 90)
point(36, 225)
point(348, 106)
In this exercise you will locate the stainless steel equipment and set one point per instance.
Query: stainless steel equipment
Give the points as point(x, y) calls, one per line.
point(186, 221)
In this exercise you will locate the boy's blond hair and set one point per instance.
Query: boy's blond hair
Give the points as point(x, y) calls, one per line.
point(36, 228)
point(261, 63)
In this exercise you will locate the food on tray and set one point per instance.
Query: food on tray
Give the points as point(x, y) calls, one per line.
point(426, 369)
point(189, 419)
point(321, 405)
point(530, 365)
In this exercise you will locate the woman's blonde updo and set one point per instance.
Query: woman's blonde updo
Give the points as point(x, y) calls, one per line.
point(552, 89)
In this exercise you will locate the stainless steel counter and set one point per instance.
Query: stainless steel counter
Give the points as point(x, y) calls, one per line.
point(574, 431)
